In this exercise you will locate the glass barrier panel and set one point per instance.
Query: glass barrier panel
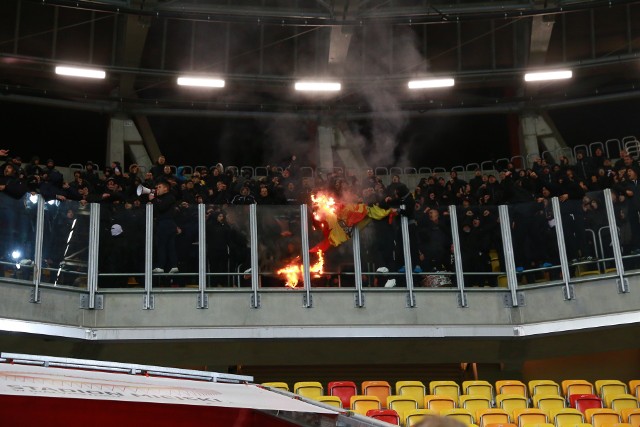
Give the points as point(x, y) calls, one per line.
point(65, 248)
point(187, 242)
point(17, 234)
point(535, 245)
point(481, 245)
point(280, 246)
point(435, 245)
point(581, 221)
point(228, 246)
point(122, 245)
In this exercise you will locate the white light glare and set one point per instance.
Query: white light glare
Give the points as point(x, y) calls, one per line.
point(548, 75)
point(33, 198)
point(16, 254)
point(91, 73)
point(318, 86)
point(200, 82)
point(431, 83)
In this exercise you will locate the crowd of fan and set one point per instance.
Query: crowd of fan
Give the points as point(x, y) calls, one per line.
point(527, 192)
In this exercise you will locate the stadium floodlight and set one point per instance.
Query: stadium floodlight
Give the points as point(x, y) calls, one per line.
point(548, 75)
point(200, 81)
point(431, 83)
point(311, 86)
point(92, 73)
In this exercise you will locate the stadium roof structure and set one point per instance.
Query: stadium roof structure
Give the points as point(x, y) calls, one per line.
point(372, 47)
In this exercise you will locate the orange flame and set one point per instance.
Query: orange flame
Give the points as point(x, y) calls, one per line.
point(322, 205)
point(293, 272)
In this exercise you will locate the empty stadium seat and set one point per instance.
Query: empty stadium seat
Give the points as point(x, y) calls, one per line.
point(634, 388)
point(543, 387)
point(539, 425)
point(574, 397)
point(414, 416)
point(402, 405)
point(606, 388)
point(278, 385)
point(414, 389)
point(438, 403)
point(509, 402)
point(380, 389)
point(463, 415)
point(587, 401)
point(344, 390)
point(622, 401)
point(360, 404)
point(548, 402)
point(478, 388)
point(631, 416)
point(445, 388)
point(511, 387)
point(310, 389)
point(566, 417)
point(570, 387)
point(331, 401)
point(484, 417)
point(599, 417)
point(387, 415)
point(527, 416)
point(474, 402)
point(500, 425)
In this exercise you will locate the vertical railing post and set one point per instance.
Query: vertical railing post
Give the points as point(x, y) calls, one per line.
point(306, 274)
point(94, 244)
point(562, 248)
point(37, 256)
point(148, 259)
point(253, 238)
point(507, 243)
point(202, 256)
point(357, 267)
point(623, 284)
point(408, 263)
point(457, 254)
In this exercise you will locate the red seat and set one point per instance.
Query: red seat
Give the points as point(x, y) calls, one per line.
point(387, 415)
point(573, 397)
point(582, 402)
point(344, 390)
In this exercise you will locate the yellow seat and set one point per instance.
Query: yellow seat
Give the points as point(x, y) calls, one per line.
point(478, 388)
point(538, 425)
point(310, 389)
point(599, 417)
point(543, 387)
point(445, 388)
point(492, 416)
point(438, 403)
point(511, 387)
point(606, 388)
point(360, 403)
point(278, 385)
point(631, 416)
point(380, 389)
point(474, 402)
point(622, 401)
point(413, 389)
point(548, 402)
point(570, 387)
point(413, 417)
point(331, 401)
point(566, 417)
point(634, 388)
point(524, 416)
point(402, 405)
point(463, 415)
point(510, 402)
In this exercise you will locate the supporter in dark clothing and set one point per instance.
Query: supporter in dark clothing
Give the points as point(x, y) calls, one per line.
point(221, 195)
point(244, 198)
point(405, 204)
point(474, 246)
point(218, 240)
point(435, 241)
point(476, 181)
point(158, 167)
point(165, 229)
point(632, 192)
point(584, 166)
point(570, 194)
point(264, 196)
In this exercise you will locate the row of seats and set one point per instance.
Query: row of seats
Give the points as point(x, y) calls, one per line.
point(513, 401)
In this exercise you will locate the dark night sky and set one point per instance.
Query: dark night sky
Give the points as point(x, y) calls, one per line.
point(71, 136)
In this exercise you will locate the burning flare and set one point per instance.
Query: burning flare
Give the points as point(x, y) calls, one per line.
point(293, 272)
point(322, 205)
